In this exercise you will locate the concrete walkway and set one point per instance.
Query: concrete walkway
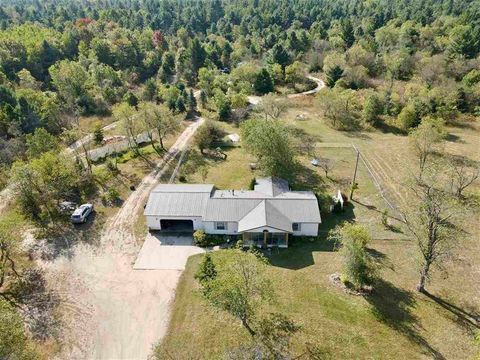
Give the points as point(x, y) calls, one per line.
point(166, 251)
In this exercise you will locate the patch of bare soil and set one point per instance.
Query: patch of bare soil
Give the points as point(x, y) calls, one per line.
point(109, 310)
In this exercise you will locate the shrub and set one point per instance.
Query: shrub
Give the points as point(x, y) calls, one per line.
point(252, 184)
point(359, 269)
point(385, 218)
point(112, 196)
point(199, 238)
point(206, 270)
point(112, 167)
point(324, 201)
point(214, 240)
point(98, 134)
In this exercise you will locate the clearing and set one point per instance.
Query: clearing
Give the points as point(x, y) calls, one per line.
point(395, 319)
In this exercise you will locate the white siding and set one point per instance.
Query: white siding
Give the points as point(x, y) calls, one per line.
point(307, 229)
point(209, 227)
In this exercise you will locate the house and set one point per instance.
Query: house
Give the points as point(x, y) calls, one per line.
point(267, 215)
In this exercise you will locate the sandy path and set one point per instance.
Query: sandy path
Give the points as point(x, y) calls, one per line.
point(255, 100)
point(116, 312)
point(86, 139)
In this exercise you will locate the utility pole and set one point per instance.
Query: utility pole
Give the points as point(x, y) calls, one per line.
point(354, 183)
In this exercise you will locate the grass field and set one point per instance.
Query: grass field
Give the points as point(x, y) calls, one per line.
point(395, 321)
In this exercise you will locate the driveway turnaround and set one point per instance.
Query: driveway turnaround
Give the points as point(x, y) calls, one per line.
point(166, 251)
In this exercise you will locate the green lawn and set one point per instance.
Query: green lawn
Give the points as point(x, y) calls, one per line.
point(394, 322)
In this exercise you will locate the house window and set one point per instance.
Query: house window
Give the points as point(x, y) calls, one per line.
point(221, 225)
point(296, 226)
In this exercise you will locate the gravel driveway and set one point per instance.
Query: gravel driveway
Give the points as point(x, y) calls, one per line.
point(110, 310)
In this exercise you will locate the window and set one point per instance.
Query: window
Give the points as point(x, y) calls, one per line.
point(220, 226)
point(296, 226)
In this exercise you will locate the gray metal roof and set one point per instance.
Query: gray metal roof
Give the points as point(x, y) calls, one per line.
point(176, 204)
point(281, 207)
point(184, 188)
point(271, 186)
point(264, 214)
point(178, 200)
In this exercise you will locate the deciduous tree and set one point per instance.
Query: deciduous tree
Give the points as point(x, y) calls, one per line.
point(431, 219)
point(241, 286)
point(207, 136)
point(359, 268)
point(426, 139)
point(40, 142)
point(270, 143)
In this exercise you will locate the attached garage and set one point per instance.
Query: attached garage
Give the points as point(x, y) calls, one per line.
point(176, 225)
point(178, 207)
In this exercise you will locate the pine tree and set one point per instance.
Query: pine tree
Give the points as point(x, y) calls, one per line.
point(203, 99)
point(206, 270)
point(98, 135)
point(264, 82)
point(197, 55)
point(192, 102)
point(180, 104)
point(333, 75)
point(348, 33)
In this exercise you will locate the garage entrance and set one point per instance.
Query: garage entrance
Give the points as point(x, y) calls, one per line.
point(176, 225)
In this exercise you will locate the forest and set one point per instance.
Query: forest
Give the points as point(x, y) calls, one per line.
point(388, 65)
point(59, 58)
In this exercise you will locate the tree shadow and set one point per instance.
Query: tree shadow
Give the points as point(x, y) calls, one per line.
point(393, 307)
point(356, 133)
point(459, 160)
point(305, 177)
point(368, 206)
point(381, 259)
point(390, 129)
point(454, 138)
point(61, 239)
point(469, 319)
point(300, 250)
point(331, 220)
point(374, 208)
point(462, 124)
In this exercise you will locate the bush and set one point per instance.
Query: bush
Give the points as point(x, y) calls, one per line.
point(324, 201)
point(199, 238)
point(252, 184)
point(206, 270)
point(112, 196)
point(112, 167)
point(98, 135)
point(359, 268)
point(385, 218)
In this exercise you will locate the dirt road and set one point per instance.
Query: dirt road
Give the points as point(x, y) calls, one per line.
point(116, 312)
point(86, 139)
point(254, 100)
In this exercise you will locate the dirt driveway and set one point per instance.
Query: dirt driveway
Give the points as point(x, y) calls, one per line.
point(110, 310)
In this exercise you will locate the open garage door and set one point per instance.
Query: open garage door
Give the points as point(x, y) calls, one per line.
point(176, 225)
